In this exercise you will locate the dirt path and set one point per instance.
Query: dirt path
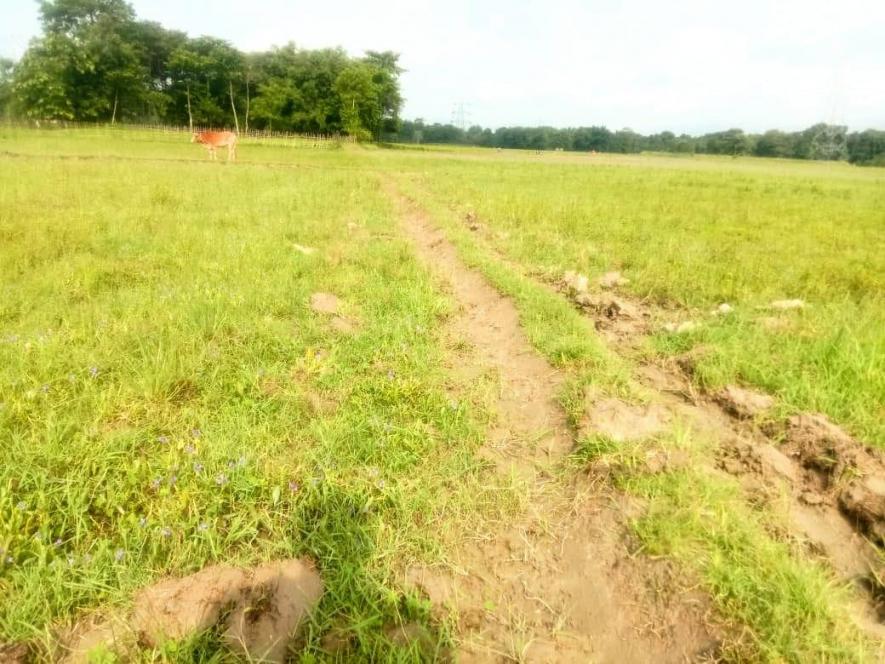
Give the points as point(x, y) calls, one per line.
point(779, 466)
point(559, 583)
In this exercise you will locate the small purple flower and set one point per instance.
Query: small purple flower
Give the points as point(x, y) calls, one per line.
point(190, 449)
point(203, 527)
point(196, 433)
point(155, 483)
point(58, 543)
point(93, 371)
point(198, 467)
point(166, 531)
point(163, 439)
point(119, 554)
point(173, 479)
point(221, 479)
point(294, 486)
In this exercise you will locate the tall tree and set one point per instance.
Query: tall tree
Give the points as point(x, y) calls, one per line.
point(7, 70)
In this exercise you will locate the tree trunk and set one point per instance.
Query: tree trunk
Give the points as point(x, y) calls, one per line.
point(114, 113)
point(233, 106)
point(190, 117)
point(247, 103)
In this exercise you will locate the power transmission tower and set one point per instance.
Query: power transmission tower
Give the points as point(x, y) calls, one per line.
point(460, 115)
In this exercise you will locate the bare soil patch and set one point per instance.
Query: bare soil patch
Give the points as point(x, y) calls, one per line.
point(559, 583)
point(623, 422)
point(324, 303)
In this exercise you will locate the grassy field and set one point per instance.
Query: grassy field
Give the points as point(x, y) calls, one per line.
point(169, 399)
point(691, 234)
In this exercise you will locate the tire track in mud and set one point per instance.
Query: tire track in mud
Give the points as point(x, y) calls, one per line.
point(558, 583)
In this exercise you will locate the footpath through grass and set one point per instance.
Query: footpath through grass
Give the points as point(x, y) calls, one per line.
point(778, 603)
point(168, 399)
point(700, 233)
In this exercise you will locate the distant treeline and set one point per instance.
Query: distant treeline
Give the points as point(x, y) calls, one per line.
point(822, 141)
point(95, 62)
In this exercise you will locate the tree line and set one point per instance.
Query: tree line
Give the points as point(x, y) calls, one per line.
point(96, 62)
point(821, 141)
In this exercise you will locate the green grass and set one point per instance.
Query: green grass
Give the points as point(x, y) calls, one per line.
point(168, 399)
point(695, 233)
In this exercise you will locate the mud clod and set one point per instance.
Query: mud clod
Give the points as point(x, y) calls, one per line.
point(613, 280)
point(324, 303)
point(266, 605)
point(14, 653)
point(864, 502)
point(821, 446)
point(175, 608)
point(743, 403)
point(471, 220)
point(276, 601)
point(575, 283)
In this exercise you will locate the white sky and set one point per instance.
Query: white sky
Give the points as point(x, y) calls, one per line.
point(683, 65)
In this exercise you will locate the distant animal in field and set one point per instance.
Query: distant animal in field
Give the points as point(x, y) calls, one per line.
point(217, 139)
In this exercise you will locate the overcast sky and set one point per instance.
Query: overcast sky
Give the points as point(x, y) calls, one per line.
point(683, 65)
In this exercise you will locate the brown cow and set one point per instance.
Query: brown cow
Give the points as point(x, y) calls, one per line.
point(217, 139)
